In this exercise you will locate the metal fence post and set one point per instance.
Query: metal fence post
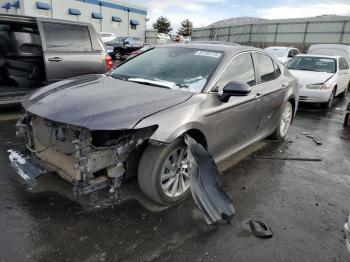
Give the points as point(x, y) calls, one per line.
point(305, 33)
point(342, 32)
point(276, 32)
point(250, 34)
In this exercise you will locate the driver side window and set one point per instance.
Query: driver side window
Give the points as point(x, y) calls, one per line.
point(241, 69)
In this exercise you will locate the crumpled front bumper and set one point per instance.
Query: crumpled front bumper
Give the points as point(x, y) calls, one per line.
point(26, 169)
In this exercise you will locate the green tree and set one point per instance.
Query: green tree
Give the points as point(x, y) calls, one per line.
point(162, 25)
point(186, 28)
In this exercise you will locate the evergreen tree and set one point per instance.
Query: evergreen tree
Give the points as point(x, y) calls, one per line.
point(162, 25)
point(186, 28)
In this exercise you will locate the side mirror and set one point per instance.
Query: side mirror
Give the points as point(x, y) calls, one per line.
point(234, 88)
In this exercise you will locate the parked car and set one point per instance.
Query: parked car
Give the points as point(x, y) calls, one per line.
point(347, 233)
point(163, 39)
point(141, 50)
point(283, 54)
point(122, 46)
point(331, 49)
point(106, 37)
point(97, 130)
point(38, 51)
point(321, 78)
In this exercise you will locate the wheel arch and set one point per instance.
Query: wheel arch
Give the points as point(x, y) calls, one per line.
point(197, 135)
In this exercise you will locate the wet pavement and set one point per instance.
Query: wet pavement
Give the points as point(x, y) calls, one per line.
point(305, 203)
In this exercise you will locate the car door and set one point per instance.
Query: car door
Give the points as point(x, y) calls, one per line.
point(344, 74)
point(270, 91)
point(234, 123)
point(70, 50)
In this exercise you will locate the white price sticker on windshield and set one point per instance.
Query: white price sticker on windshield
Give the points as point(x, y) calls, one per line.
point(207, 53)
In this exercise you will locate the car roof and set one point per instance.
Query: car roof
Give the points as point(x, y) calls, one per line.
point(322, 56)
point(229, 48)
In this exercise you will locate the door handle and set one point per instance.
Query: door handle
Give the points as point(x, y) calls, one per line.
point(55, 59)
point(257, 96)
point(285, 86)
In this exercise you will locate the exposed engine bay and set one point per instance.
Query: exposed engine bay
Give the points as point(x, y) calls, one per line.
point(91, 160)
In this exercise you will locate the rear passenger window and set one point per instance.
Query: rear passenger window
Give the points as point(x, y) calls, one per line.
point(240, 69)
point(266, 69)
point(64, 37)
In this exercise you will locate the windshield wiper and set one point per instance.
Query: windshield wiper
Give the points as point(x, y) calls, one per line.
point(182, 85)
point(169, 85)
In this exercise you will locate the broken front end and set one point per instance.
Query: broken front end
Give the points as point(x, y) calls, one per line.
point(90, 159)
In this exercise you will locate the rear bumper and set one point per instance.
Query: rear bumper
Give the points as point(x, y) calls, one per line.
point(314, 96)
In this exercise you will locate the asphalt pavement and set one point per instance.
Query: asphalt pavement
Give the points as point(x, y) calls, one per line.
point(305, 204)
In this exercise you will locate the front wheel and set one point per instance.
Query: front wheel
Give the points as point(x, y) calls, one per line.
point(163, 173)
point(329, 104)
point(284, 123)
point(343, 94)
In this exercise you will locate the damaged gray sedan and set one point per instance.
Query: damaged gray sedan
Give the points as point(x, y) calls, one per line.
point(96, 131)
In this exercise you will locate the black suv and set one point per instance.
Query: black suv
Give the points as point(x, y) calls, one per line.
point(122, 46)
point(38, 51)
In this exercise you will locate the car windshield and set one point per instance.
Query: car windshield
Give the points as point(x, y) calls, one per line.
point(317, 64)
point(182, 68)
point(279, 52)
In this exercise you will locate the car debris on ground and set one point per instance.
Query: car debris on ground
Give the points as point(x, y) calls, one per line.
point(316, 139)
point(260, 229)
point(205, 184)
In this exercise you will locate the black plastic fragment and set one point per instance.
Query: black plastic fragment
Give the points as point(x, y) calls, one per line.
point(205, 184)
point(260, 229)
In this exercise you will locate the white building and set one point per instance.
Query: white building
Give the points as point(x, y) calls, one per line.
point(111, 16)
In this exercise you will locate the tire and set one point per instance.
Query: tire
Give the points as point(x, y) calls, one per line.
point(343, 94)
point(329, 104)
point(284, 122)
point(117, 55)
point(153, 168)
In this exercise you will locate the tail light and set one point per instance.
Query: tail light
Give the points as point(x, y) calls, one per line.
point(109, 62)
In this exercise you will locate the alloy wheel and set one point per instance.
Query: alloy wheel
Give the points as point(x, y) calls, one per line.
point(286, 120)
point(175, 179)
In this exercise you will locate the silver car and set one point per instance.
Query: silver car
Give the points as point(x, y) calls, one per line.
point(98, 130)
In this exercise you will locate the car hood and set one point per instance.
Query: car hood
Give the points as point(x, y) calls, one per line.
point(99, 102)
point(310, 77)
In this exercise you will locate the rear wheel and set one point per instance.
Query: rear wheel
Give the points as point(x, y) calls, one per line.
point(329, 104)
point(284, 122)
point(163, 173)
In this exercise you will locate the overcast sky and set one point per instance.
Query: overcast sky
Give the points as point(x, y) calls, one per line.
point(204, 12)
